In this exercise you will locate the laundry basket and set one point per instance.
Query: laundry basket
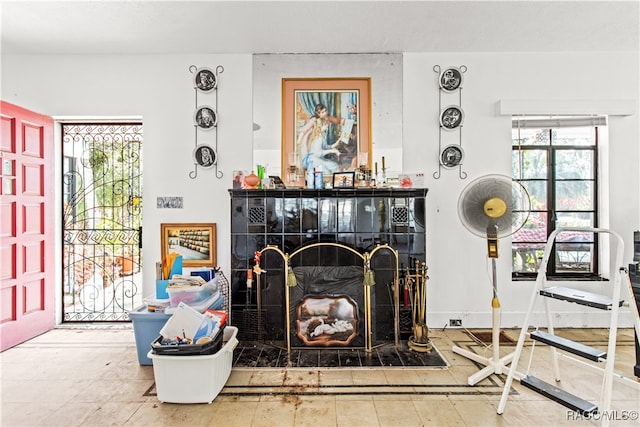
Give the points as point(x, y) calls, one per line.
point(194, 379)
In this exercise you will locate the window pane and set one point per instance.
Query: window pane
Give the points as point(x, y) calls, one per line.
point(574, 219)
point(557, 166)
point(575, 237)
point(526, 257)
point(537, 194)
point(574, 195)
point(530, 136)
point(529, 164)
point(575, 257)
point(583, 136)
point(574, 164)
point(534, 230)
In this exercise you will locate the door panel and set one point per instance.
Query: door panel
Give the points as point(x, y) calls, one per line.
point(27, 234)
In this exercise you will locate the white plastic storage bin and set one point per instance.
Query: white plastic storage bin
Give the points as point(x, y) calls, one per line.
point(194, 379)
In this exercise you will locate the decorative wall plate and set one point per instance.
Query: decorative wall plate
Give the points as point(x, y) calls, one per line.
point(451, 156)
point(205, 117)
point(451, 117)
point(205, 79)
point(451, 79)
point(205, 156)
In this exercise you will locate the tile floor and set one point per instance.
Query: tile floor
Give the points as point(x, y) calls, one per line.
point(91, 377)
point(257, 355)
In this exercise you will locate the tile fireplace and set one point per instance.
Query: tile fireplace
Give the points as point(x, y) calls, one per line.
point(324, 242)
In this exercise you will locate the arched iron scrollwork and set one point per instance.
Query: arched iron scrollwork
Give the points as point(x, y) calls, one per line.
point(102, 196)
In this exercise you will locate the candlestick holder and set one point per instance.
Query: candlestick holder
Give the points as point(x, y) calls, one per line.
point(383, 180)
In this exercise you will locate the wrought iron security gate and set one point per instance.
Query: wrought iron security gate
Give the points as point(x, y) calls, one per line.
point(102, 220)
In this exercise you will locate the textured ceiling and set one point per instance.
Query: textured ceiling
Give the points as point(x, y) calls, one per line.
point(104, 27)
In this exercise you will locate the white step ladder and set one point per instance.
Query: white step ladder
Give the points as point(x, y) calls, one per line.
point(569, 349)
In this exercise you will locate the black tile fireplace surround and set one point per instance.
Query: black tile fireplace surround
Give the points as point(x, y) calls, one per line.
point(290, 219)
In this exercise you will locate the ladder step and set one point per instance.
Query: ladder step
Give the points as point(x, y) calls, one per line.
point(579, 297)
point(573, 347)
point(562, 397)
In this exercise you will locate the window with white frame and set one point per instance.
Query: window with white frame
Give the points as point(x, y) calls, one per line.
point(556, 160)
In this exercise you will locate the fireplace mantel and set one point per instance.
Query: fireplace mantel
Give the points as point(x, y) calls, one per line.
point(332, 192)
point(289, 219)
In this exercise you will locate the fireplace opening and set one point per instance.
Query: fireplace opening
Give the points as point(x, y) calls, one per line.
point(327, 306)
point(323, 295)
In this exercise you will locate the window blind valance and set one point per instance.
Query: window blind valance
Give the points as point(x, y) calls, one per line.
point(557, 122)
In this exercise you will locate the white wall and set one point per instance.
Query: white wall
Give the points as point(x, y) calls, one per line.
point(460, 285)
point(159, 89)
point(385, 72)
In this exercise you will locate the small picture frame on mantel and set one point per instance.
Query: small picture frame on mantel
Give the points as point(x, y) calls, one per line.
point(344, 180)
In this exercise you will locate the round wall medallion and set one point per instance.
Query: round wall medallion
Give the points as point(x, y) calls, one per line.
point(205, 80)
point(451, 117)
point(451, 156)
point(205, 117)
point(205, 156)
point(451, 79)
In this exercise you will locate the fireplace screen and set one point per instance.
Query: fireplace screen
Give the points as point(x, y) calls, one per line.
point(326, 305)
point(334, 296)
point(327, 320)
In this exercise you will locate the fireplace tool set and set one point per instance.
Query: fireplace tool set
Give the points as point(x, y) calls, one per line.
point(416, 282)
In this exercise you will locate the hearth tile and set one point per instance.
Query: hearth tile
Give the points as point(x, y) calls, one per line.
point(388, 356)
point(248, 357)
point(308, 359)
point(410, 358)
point(283, 359)
point(349, 358)
point(433, 359)
point(292, 359)
point(268, 358)
point(370, 359)
point(329, 359)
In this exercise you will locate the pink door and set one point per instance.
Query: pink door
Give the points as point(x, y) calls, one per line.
point(27, 187)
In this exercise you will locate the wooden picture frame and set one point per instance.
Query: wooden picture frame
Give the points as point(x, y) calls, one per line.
point(336, 138)
point(344, 180)
point(196, 242)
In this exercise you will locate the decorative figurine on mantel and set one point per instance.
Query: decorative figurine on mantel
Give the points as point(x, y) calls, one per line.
point(251, 181)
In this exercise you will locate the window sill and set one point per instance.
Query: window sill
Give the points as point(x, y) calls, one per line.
point(560, 278)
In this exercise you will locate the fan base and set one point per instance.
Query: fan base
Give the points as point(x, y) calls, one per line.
point(492, 366)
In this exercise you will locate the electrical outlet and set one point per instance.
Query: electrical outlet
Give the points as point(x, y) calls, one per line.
point(455, 322)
